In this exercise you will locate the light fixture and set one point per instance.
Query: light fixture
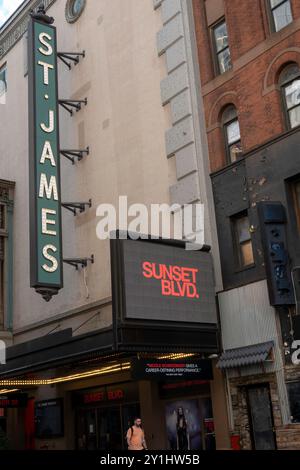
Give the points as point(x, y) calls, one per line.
point(176, 356)
point(69, 378)
point(213, 356)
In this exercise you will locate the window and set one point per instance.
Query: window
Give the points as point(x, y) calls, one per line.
point(74, 9)
point(242, 240)
point(296, 200)
point(221, 47)
point(281, 13)
point(49, 418)
point(3, 237)
point(232, 134)
point(293, 389)
point(289, 81)
point(3, 83)
point(6, 254)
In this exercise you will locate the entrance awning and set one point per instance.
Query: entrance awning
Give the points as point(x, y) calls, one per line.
point(246, 356)
point(63, 349)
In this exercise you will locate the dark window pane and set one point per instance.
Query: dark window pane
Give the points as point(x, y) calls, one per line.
point(3, 84)
point(221, 36)
point(229, 114)
point(289, 73)
point(224, 60)
point(282, 16)
point(2, 217)
point(243, 242)
point(296, 197)
point(294, 399)
point(297, 194)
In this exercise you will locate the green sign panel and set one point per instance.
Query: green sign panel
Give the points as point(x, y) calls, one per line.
point(44, 161)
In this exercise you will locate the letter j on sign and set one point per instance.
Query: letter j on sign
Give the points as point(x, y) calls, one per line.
point(46, 274)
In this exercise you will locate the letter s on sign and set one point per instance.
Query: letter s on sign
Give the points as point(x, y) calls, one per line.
point(42, 39)
point(46, 254)
point(296, 354)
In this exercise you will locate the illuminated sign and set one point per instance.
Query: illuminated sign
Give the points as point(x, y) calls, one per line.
point(107, 395)
point(44, 162)
point(176, 281)
point(154, 369)
point(166, 283)
point(100, 395)
point(14, 400)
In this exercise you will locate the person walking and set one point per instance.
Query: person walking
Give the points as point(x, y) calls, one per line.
point(136, 436)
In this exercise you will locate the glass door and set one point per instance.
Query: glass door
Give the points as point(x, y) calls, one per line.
point(86, 430)
point(105, 428)
point(129, 412)
point(110, 428)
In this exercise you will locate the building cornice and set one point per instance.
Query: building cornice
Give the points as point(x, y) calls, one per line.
point(13, 30)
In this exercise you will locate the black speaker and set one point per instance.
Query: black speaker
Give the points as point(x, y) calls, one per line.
point(273, 232)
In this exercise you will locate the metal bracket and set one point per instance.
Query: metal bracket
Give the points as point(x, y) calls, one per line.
point(76, 206)
point(73, 56)
point(72, 154)
point(69, 105)
point(76, 262)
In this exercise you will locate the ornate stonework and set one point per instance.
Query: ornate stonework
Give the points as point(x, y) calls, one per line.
point(16, 30)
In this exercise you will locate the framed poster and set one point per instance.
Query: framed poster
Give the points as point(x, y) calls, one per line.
point(183, 424)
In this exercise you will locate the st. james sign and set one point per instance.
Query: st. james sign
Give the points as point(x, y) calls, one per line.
point(44, 164)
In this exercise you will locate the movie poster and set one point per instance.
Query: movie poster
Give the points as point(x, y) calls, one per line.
point(183, 422)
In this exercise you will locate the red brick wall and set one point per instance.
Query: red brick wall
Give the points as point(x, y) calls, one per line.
point(258, 55)
point(245, 25)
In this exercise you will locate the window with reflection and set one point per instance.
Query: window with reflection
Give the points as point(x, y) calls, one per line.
point(3, 83)
point(221, 46)
point(232, 134)
point(281, 13)
point(289, 81)
point(242, 240)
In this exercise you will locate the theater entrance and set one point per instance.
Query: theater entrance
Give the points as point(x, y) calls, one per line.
point(103, 416)
point(105, 428)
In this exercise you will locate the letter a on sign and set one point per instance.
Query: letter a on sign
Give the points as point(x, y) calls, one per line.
point(46, 275)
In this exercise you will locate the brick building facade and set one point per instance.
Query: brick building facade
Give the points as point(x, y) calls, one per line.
point(249, 58)
point(258, 55)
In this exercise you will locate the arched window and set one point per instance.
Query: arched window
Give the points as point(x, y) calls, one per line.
point(289, 80)
point(232, 133)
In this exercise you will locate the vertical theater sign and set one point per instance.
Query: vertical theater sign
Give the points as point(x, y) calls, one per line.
point(44, 164)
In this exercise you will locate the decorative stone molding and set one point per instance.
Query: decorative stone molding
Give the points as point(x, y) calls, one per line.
point(70, 13)
point(292, 54)
point(18, 27)
point(175, 90)
point(186, 140)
